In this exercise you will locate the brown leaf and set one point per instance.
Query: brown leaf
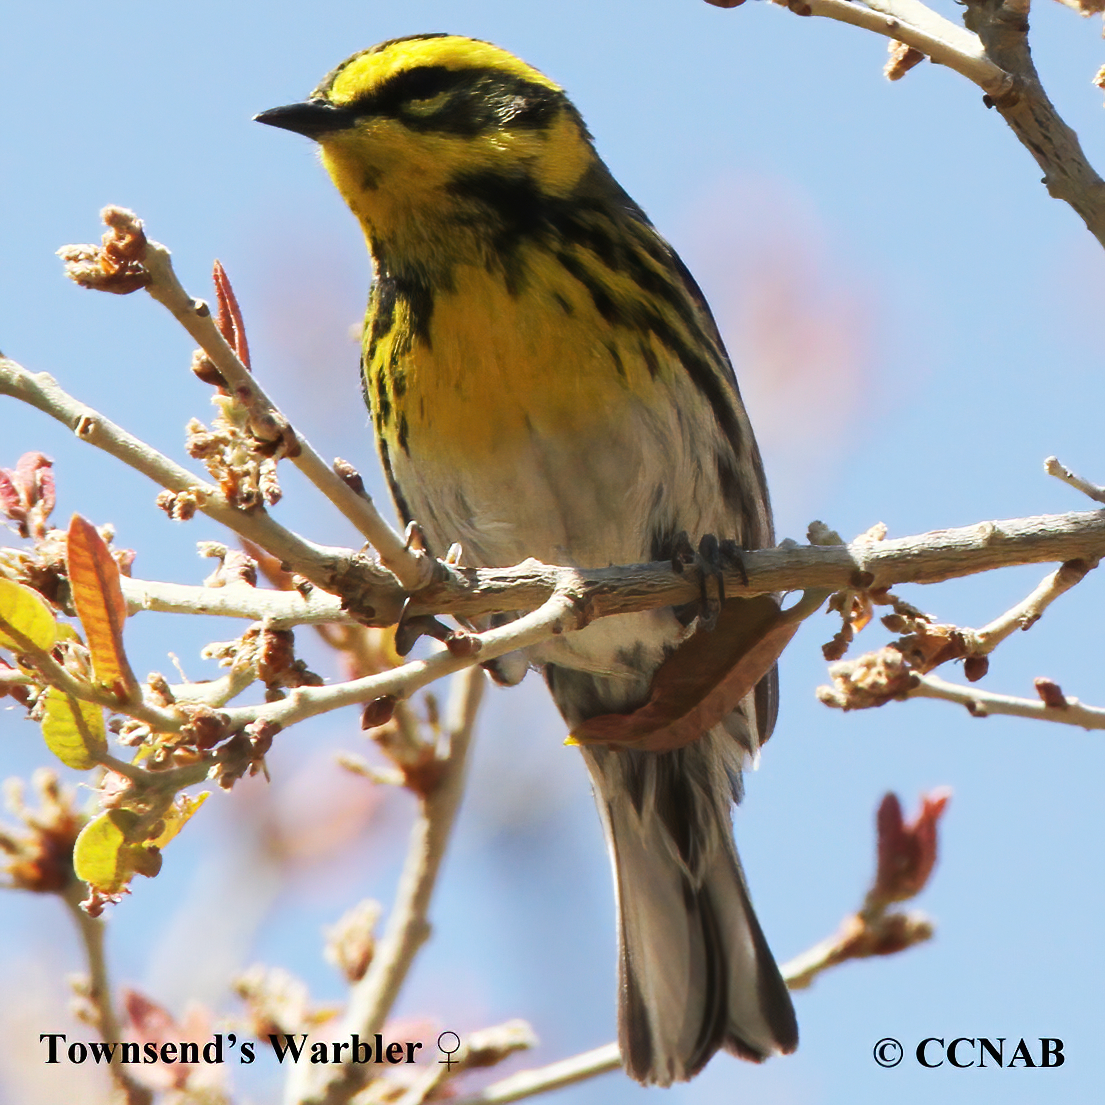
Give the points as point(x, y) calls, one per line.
point(702, 681)
point(101, 607)
point(230, 314)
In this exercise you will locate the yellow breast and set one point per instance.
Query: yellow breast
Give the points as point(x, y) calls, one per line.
point(495, 363)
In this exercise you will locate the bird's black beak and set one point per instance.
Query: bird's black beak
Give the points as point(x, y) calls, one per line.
point(312, 118)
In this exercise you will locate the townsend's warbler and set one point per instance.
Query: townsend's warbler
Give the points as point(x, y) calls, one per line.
point(546, 380)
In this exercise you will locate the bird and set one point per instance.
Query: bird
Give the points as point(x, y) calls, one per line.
point(545, 379)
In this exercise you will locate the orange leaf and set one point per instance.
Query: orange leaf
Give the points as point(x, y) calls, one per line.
point(94, 578)
point(702, 681)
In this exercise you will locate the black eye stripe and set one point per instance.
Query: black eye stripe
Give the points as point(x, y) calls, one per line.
point(423, 83)
point(483, 99)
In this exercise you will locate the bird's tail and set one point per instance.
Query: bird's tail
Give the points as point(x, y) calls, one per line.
point(695, 972)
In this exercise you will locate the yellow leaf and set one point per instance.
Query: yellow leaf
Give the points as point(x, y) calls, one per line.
point(27, 613)
point(102, 857)
point(177, 817)
point(74, 730)
point(98, 596)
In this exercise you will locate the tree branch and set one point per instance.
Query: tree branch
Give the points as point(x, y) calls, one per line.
point(1053, 467)
point(408, 928)
point(1003, 29)
point(1029, 610)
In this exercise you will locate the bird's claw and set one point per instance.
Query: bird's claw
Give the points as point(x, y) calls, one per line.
point(712, 558)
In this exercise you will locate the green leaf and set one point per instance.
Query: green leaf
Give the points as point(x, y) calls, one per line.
point(26, 612)
point(73, 730)
point(102, 856)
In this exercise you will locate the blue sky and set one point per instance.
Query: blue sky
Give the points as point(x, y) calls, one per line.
point(915, 325)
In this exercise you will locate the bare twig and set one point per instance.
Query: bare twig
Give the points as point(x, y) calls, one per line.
point(1053, 467)
point(858, 938)
point(275, 608)
point(980, 703)
point(408, 928)
point(890, 673)
point(319, 563)
point(920, 27)
point(558, 615)
point(554, 1076)
point(56, 675)
point(482, 1048)
point(1028, 612)
point(91, 931)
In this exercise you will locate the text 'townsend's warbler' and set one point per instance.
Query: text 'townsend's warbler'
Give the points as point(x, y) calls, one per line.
point(546, 380)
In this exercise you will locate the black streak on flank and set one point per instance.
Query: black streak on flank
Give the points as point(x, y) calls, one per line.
point(396, 495)
point(742, 496)
point(365, 393)
point(616, 357)
point(390, 291)
point(604, 304)
point(403, 434)
point(733, 491)
point(419, 297)
point(381, 307)
point(383, 403)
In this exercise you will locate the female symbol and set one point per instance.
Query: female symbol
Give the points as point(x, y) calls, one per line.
point(447, 1044)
